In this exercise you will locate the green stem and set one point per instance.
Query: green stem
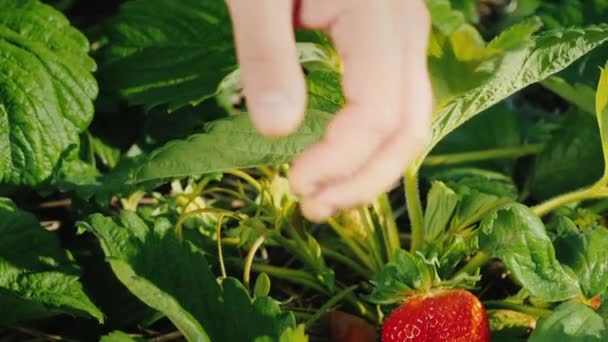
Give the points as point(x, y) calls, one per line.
point(352, 245)
point(294, 276)
point(186, 214)
point(249, 259)
point(301, 315)
point(499, 153)
point(475, 263)
point(390, 230)
point(229, 192)
point(363, 308)
point(220, 253)
point(198, 189)
point(330, 304)
point(247, 178)
point(597, 191)
point(530, 310)
point(372, 240)
point(343, 259)
point(414, 207)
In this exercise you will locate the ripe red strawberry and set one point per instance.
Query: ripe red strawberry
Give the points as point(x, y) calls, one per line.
point(447, 315)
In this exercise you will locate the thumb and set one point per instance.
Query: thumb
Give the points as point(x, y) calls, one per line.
point(273, 81)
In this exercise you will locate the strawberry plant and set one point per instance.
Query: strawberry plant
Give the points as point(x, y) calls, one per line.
point(140, 203)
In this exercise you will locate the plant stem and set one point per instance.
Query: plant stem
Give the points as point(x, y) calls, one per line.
point(597, 191)
point(475, 263)
point(185, 215)
point(363, 308)
point(499, 153)
point(341, 258)
point(389, 228)
point(414, 207)
point(249, 260)
point(530, 310)
point(372, 238)
point(294, 276)
point(302, 315)
point(247, 178)
point(354, 247)
point(45, 336)
point(220, 253)
point(330, 304)
point(172, 336)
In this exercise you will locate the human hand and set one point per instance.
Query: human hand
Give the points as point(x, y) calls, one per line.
point(386, 121)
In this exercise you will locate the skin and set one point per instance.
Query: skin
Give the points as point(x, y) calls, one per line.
point(386, 122)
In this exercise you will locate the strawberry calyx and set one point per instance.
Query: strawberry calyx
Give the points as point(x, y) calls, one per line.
point(414, 275)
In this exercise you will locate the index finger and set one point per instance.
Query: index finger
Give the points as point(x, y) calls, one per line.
point(368, 38)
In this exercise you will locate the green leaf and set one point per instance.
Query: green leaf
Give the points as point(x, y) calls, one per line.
point(573, 12)
point(119, 336)
point(571, 159)
point(85, 181)
point(551, 52)
point(488, 182)
point(571, 321)
point(37, 278)
point(480, 191)
point(294, 335)
point(311, 256)
point(461, 60)
point(93, 148)
point(452, 257)
point(585, 253)
point(158, 269)
point(443, 16)
point(324, 90)
point(405, 273)
point(515, 235)
point(516, 36)
point(579, 94)
point(441, 202)
point(577, 83)
point(601, 104)
point(227, 144)
point(323, 79)
point(586, 70)
point(46, 90)
point(172, 52)
point(507, 323)
point(160, 128)
point(289, 335)
point(262, 285)
point(494, 128)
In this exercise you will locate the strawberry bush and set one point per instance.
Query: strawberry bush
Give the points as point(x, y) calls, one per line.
point(139, 203)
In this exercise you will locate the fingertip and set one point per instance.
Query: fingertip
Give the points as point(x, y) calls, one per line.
point(302, 171)
point(276, 114)
point(316, 212)
point(341, 198)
